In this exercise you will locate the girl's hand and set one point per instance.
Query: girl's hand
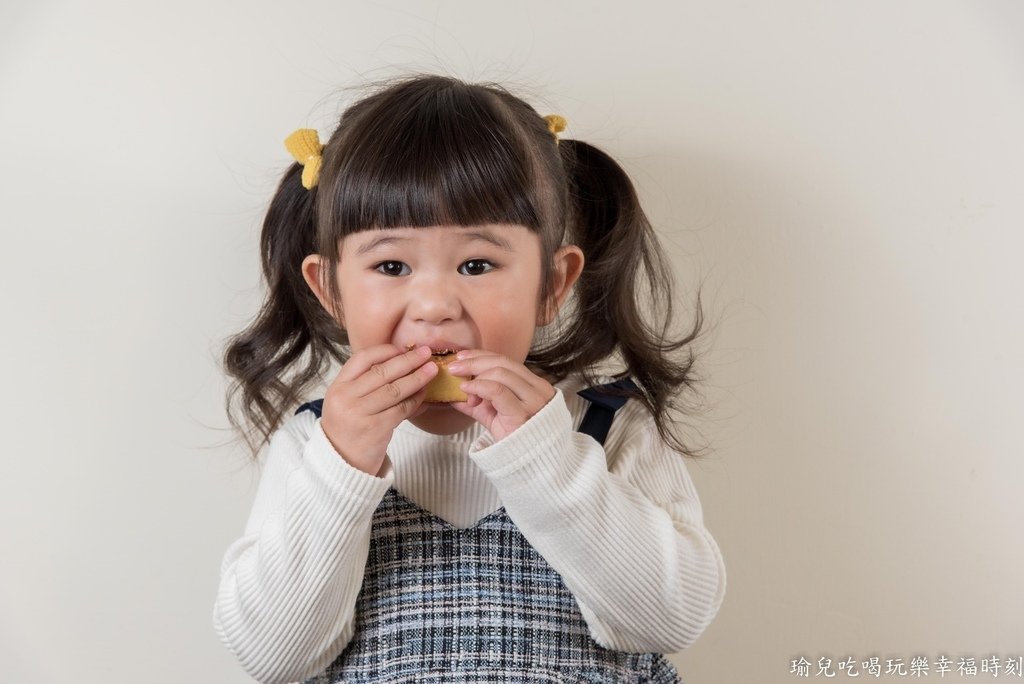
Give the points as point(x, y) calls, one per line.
point(503, 395)
point(376, 389)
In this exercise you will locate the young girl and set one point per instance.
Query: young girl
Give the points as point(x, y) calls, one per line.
point(542, 529)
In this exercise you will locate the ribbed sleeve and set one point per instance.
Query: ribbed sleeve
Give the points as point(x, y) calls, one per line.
point(288, 585)
point(628, 540)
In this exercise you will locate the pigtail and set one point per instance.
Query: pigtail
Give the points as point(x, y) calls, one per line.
point(624, 295)
point(290, 323)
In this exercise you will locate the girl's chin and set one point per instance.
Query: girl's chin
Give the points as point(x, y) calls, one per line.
point(433, 407)
point(440, 419)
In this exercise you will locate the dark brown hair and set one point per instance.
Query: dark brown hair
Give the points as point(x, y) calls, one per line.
point(426, 150)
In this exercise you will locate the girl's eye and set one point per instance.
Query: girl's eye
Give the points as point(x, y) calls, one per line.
point(476, 266)
point(392, 268)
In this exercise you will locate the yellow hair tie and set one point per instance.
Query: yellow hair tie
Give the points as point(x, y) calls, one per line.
point(304, 145)
point(556, 124)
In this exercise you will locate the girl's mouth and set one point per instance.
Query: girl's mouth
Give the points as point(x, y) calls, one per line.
point(437, 351)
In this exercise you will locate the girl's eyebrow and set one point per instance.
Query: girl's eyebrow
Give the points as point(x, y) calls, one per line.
point(489, 238)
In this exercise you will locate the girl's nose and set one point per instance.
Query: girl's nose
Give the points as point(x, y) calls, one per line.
point(434, 303)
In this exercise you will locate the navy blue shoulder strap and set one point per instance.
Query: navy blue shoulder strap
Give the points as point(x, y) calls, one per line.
point(596, 421)
point(317, 407)
point(601, 412)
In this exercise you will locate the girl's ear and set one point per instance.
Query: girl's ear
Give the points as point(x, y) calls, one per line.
point(567, 267)
point(313, 274)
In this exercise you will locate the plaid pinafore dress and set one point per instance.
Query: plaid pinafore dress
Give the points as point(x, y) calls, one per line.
point(475, 605)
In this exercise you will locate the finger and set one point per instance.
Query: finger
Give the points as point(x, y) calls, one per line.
point(504, 400)
point(400, 391)
point(359, 362)
point(383, 372)
point(476, 408)
point(471, 402)
point(406, 408)
point(523, 388)
point(480, 362)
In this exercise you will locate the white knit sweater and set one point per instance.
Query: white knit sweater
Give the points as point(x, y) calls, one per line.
point(621, 524)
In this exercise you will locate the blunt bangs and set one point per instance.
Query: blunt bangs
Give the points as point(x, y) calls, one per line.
point(439, 156)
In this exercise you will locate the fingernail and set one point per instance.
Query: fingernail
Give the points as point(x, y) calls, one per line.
point(455, 367)
point(462, 355)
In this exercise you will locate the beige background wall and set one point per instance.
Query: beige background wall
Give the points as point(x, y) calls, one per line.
point(844, 177)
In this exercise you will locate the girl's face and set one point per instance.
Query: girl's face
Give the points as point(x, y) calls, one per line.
point(449, 287)
point(459, 288)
